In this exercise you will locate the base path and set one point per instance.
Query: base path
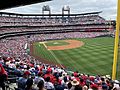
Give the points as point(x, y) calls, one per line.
point(72, 44)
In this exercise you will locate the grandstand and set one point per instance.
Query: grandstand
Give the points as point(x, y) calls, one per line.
point(53, 23)
point(21, 34)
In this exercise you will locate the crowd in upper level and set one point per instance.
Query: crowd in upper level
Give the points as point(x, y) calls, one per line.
point(46, 21)
point(78, 23)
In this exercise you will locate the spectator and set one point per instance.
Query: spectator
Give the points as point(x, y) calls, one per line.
point(39, 78)
point(3, 77)
point(75, 84)
point(48, 84)
point(22, 81)
point(69, 85)
point(78, 87)
point(29, 84)
point(40, 85)
point(116, 85)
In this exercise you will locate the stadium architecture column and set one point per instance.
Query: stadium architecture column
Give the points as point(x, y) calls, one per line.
point(116, 42)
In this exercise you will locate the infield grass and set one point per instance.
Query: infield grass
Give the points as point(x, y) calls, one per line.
point(95, 57)
point(56, 43)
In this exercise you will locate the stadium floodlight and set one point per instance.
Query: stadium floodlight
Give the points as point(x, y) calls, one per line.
point(46, 8)
point(116, 42)
point(66, 9)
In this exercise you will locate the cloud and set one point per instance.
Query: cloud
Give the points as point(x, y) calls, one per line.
point(109, 7)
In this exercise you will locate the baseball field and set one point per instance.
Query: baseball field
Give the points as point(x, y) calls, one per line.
point(86, 55)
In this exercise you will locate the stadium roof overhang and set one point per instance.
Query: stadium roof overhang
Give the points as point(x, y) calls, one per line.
point(4, 4)
point(16, 14)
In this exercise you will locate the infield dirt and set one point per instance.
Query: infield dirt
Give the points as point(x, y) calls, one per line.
point(72, 44)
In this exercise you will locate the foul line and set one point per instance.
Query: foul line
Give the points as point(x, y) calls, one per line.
point(52, 53)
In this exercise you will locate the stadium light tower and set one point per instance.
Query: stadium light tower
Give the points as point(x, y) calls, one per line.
point(66, 9)
point(46, 8)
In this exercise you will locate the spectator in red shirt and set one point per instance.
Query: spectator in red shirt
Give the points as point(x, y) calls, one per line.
point(48, 74)
point(3, 77)
point(82, 83)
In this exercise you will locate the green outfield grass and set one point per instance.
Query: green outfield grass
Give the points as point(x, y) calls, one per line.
point(95, 57)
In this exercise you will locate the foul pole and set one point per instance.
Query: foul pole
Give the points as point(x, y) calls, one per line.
point(116, 45)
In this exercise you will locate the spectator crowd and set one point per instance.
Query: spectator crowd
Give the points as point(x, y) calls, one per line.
point(43, 21)
point(82, 23)
point(27, 73)
point(15, 46)
point(34, 75)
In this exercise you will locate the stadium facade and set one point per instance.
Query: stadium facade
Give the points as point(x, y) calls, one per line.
point(54, 23)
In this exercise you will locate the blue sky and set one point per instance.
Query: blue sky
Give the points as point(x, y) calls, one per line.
point(109, 7)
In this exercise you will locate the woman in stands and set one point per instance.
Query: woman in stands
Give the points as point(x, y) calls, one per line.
point(3, 77)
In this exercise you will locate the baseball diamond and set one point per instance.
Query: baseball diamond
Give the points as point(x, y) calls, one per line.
point(71, 44)
point(66, 49)
point(92, 55)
